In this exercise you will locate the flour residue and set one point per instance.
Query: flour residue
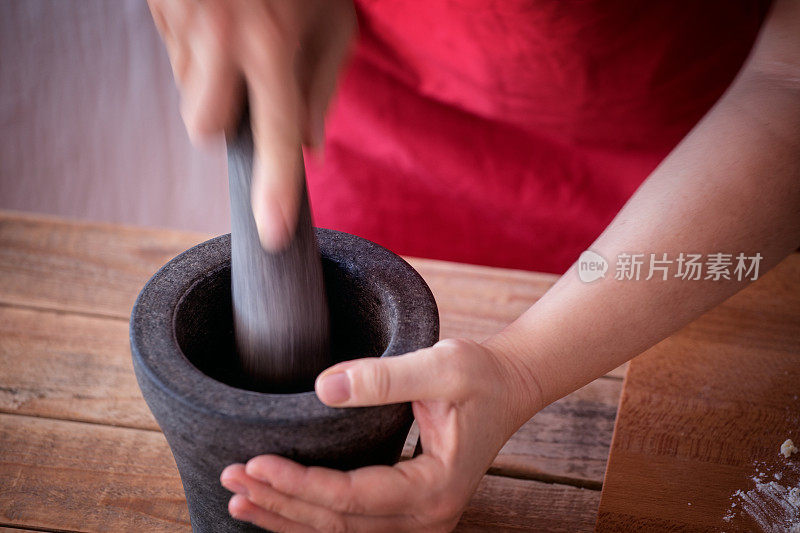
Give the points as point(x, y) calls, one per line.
point(773, 499)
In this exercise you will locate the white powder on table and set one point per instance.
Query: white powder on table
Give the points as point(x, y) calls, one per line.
point(770, 504)
point(775, 507)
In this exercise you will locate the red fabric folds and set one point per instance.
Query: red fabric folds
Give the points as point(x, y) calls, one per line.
point(509, 132)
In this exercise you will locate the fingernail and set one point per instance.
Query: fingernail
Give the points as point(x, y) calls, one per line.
point(334, 388)
point(237, 507)
point(253, 468)
point(235, 486)
point(270, 223)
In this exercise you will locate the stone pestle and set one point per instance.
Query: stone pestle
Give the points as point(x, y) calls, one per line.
point(280, 311)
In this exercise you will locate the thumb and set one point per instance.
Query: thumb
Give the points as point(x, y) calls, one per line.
point(420, 375)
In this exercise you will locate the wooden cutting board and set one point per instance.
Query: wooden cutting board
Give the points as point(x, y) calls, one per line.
point(703, 415)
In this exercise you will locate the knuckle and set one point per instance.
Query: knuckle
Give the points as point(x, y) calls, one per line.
point(347, 506)
point(451, 344)
point(376, 381)
point(343, 502)
point(334, 524)
point(461, 373)
point(458, 343)
point(464, 362)
point(458, 372)
point(457, 352)
point(268, 503)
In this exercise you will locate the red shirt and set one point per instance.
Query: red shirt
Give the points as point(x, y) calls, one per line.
point(510, 132)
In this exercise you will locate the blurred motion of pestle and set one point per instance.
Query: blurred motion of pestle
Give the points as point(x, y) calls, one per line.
point(280, 312)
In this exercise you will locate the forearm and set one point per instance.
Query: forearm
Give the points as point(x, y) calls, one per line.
point(732, 185)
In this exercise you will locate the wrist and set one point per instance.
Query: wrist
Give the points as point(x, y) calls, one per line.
point(521, 379)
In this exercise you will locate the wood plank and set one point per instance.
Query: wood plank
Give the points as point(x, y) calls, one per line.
point(98, 269)
point(87, 477)
point(505, 504)
point(69, 366)
point(78, 367)
point(703, 415)
point(568, 441)
point(478, 300)
point(16, 530)
point(81, 267)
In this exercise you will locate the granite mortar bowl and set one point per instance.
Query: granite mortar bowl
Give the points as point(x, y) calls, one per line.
point(184, 358)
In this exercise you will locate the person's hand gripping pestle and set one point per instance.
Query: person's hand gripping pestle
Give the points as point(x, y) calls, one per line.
point(285, 56)
point(280, 311)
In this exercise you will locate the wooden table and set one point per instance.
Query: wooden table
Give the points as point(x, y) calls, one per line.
point(79, 450)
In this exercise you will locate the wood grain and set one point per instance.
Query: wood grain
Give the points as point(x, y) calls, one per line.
point(67, 366)
point(568, 441)
point(705, 411)
point(82, 267)
point(505, 504)
point(78, 367)
point(91, 478)
point(87, 477)
point(98, 269)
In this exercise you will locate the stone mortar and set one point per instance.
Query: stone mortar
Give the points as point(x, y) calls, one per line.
point(185, 362)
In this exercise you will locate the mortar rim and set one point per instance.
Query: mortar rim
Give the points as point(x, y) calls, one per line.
point(416, 325)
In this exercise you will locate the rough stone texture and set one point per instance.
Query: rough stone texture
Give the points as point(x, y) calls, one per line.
point(183, 356)
point(280, 314)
